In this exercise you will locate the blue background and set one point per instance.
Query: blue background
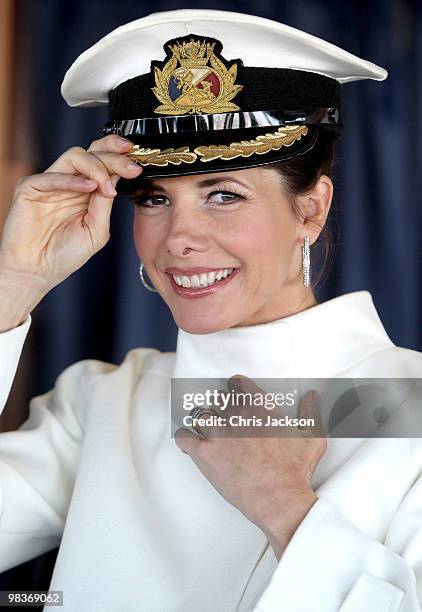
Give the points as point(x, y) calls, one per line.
point(102, 311)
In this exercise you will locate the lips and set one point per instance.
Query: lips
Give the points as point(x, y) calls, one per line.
point(202, 280)
point(189, 292)
point(192, 271)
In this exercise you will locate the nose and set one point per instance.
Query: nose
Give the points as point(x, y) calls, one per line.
point(186, 232)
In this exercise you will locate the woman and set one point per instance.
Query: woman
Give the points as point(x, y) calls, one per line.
point(230, 180)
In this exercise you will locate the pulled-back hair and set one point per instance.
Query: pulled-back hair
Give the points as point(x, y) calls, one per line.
point(299, 176)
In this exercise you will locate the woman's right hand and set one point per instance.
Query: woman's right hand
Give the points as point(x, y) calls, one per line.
point(58, 219)
point(61, 217)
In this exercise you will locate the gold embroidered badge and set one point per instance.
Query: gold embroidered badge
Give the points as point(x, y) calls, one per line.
point(157, 157)
point(194, 80)
point(284, 137)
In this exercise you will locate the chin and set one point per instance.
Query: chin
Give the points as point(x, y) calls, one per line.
point(198, 325)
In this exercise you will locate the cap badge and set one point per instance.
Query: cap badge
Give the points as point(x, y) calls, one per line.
point(195, 80)
point(285, 136)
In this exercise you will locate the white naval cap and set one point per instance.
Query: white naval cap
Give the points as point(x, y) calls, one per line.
point(208, 90)
point(127, 51)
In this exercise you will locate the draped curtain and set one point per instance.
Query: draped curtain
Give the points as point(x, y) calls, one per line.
point(15, 154)
point(102, 311)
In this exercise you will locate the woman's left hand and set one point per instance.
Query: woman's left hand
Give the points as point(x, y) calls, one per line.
point(266, 478)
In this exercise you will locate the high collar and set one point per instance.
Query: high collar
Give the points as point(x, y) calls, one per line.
point(319, 342)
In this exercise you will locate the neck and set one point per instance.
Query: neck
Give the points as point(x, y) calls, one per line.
point(317, 342)
point(289, 303)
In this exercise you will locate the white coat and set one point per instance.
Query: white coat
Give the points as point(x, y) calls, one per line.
point(96, 470)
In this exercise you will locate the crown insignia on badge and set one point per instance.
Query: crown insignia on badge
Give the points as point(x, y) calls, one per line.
point(195, 80)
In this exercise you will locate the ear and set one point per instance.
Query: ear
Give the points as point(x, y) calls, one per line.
point(315, 207)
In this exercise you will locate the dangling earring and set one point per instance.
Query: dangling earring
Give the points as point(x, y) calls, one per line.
point(306, 258)
point(145, 284)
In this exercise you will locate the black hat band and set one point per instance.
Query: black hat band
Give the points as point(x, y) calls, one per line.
point(321, 117)
point(263, 89)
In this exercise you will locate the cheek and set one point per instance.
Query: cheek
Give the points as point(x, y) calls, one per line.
point(144, 235)
point(271, 238)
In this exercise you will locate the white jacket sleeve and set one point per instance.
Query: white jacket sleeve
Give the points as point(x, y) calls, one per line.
point(38, 461)
point(332, 566)
point(11, 344)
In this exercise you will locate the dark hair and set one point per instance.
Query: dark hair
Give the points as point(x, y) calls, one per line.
point(299, 176)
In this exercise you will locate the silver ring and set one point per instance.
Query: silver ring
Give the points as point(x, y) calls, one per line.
point(196, 413)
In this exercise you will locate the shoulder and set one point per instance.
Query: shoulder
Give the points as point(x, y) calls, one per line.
point(91, 382)
point(80, 384)
point(135, 364)
point(406, 362)
point(391, 361)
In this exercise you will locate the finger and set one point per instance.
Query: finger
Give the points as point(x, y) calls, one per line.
point(243, 383)
point(58, 181)
point(119, 164)
point(187, 441)
point(249, 398)
point(78, 161)
point(111, 143)
point(99, 210)
point(309, 408)
point(222, 401)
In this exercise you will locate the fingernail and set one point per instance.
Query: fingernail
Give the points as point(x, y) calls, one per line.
point(110, 189)
point(133, 166)
point(124, 141)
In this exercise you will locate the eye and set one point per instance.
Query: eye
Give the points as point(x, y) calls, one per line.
point(220, 197)
point(151, 201)
point(226, 197)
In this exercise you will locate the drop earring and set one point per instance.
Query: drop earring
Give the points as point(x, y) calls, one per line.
point(306, 259)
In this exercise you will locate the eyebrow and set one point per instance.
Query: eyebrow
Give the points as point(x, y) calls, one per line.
point(206, 182)
point(219, 179)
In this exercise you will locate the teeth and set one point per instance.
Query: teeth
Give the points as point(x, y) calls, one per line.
point(203, 280)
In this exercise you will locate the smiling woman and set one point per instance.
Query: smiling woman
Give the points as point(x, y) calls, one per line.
point(280, 189)
point(228, 164)
point(190, 226)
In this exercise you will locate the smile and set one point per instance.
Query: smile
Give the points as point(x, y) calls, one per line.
point(202, 280)
point(210, 286)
